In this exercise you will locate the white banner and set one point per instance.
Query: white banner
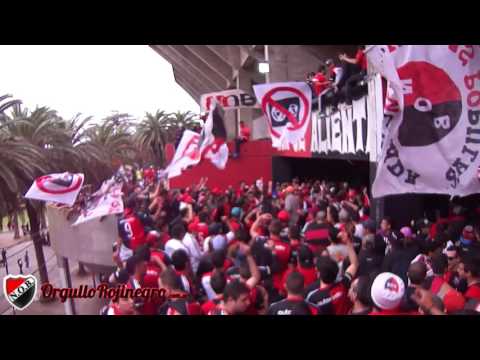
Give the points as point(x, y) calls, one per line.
point(213, 137)
point(228, 99)
point(106, 201)
point(187, 154)
point(344, 131)
point(287, 108)
point(431, 138)
point(61, 188)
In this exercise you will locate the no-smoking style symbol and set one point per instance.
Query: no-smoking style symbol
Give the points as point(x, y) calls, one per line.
point(291, 110)
point(59, 184)
point(433, 104)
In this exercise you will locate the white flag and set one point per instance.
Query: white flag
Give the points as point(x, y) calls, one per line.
point(212, 139)
point(187, 154)
point(61, 188)
point(106, 201)
point(287, 107)
point(432, 133)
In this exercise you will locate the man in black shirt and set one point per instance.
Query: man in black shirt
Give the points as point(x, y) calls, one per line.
point(371, 256)
point(330, 296)
point(404, 250)
point(294, 304)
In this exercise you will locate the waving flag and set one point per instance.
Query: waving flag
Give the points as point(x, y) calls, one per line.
point(431, 127)
point(187, 154)
point(106, 201)
point(209, 144)
point(213, 144)
point(61, 188)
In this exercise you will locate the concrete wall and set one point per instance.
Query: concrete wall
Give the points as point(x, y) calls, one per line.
point(90, 243)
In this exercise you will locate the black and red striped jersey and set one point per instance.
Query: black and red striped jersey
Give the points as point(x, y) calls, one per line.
point(292, 305)
point(332, 299)
point(185, 306)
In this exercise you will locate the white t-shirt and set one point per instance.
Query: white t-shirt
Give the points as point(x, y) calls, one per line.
point(174, 244)
point(194, 250)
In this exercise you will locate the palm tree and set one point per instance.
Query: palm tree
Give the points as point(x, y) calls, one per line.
point(156, 130)
point(41, 132)
point(187, 120)
point(107, 145)
point(152, 135)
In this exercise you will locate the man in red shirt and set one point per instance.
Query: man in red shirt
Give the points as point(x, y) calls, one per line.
point(130, 230)
point(178, 301)
point(218, 281)
point(360, 61)
point(294, 304)
point(320, 81)
point(243, 137)
point(281, 254)
point(149, 175)
point(330, 295)
point(236, 299)
point(469, 269)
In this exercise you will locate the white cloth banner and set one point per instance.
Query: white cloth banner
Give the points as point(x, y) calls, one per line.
point(60, 188)
point(431, 140)
point(228, 99)
point(210, 144)
point(187, 154)
point(342, 131)
point(287, 108)
point(213, 137)
point(106, 201)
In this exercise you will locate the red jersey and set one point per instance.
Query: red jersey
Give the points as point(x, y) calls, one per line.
point(309, 274)
point(131, 231)
point(332, 299)
point(245, 132)
point(318, 79)
point(473, 292)
point(282, 253)
point(433, 228)
point(150, 306)
point(361, 59)
point(211, 305)
point(184, 306)
point(149, 175)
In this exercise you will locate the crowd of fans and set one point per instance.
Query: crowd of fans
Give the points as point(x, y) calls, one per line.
point(341, 82)
point(299, 248)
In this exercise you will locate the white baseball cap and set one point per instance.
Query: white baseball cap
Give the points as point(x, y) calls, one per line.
point(387, 291)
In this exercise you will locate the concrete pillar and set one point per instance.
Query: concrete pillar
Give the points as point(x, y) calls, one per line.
point(244, 83)
point(66, 282)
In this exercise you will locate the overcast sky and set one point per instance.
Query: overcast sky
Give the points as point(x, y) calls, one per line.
point(91, 79)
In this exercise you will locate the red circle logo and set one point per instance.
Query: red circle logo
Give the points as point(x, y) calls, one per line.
point(59, 184)
point(432, 104)
point(285, 112)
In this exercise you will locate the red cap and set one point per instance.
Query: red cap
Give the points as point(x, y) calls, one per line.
point(202, 228)
point(192, 227)
point(152, 237)
point(283, 215)
point(453, 301)
point(352, 193)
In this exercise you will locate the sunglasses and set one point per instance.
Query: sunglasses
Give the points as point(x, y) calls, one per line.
point(451, 258)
